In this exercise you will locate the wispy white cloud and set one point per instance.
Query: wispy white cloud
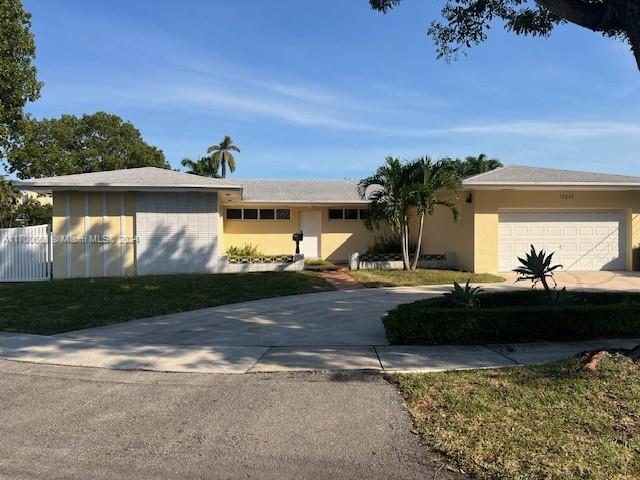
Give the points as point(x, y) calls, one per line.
point(535, 129)
point(300, 106)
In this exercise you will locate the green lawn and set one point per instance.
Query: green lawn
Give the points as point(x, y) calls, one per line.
point(64, 305)
point(554, 422)
point(398, 278)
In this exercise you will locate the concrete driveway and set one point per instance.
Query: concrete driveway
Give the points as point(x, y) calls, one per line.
point(316, 319)
point(339, 330)
point(607, 281)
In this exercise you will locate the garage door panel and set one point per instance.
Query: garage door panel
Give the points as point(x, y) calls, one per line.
point(583, 240)
point(177, 233)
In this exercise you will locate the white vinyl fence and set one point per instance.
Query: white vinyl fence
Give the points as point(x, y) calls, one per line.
point(25, 254)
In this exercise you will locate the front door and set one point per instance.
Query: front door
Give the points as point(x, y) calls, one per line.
point(310, 221)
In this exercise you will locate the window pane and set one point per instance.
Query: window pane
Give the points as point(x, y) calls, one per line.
point(335, 214)
point(351, 214)
point(234, 213)
point(364, 214)
point(283, 214)
point(267, 214)
point(250, 213)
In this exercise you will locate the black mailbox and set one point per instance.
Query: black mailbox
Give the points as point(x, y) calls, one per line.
point(298, 237)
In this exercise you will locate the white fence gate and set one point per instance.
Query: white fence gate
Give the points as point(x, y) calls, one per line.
point(25, 254)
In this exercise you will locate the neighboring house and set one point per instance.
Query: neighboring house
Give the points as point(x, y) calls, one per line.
point(183, 223)
point(43, 198)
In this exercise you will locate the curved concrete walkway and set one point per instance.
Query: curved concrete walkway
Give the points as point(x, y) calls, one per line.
point(338, 330)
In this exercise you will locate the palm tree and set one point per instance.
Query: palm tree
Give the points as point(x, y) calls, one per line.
point(474, 165)
point(429, 181)
point(205, 167)
point(222, 154)
point(389, 193)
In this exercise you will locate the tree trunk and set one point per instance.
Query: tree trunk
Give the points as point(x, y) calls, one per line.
point(605, 17)
point(414, 264)
point(405, 247)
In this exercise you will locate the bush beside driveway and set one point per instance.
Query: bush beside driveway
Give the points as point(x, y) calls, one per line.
point(515, 316)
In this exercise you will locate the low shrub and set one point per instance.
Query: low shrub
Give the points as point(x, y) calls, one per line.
point(515, 317)
point(317, 262)
point(388, 245)
point(247, 250)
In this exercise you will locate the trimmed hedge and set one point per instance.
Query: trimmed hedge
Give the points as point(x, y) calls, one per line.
point(525, 317)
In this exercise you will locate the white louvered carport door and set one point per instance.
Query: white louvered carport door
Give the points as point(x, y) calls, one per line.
point(580, 240)
point(177, 233)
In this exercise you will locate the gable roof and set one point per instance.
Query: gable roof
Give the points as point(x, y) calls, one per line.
point(143, 178)
point(519, 175)
point(300, 191)
point(316, 191)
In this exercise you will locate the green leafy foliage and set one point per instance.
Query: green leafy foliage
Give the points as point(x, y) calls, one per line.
point(247, 250)
point(18, 82)
point(474, 165)
point(9, 197)
point(396, 187)
point(26, 213)
point(221, 155)
point(385, 244)
point(466, 296)
point(35, 212)
point(466, 23)
point(536, 267)
point(205, 167)
point(507, 317)
point(91, 143)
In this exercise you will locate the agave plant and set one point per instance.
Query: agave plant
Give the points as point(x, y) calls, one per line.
point(466, 296)
point(536, 267)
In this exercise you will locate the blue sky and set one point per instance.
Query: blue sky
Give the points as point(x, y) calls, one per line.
point(327, 89)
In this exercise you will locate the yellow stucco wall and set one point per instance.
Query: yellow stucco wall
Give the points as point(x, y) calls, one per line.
point(272, 237)
point(339, 238)
point(488, 203)
point(444, 235)
point(81, 215)
point(473, 239)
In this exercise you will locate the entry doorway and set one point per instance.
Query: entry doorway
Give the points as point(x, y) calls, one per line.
point(310, 224)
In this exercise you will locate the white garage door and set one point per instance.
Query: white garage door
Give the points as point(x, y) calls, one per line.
point(581, 240)
point(177, 233)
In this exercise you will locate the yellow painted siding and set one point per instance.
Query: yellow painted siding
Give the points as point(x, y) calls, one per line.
point(59, 224)
point(94, 225)
point(444, 235)
point(341, 238)
point(77, 231)
point(130, 231)
point(88, 216)
point(272, 237)
point(488, 204)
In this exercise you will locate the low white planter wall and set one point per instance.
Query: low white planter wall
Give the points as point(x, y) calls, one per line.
point(394, 261)
point(266, 263)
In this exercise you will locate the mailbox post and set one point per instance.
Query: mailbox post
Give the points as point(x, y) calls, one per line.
point(298, 237)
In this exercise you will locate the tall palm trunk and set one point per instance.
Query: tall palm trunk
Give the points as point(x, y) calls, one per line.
point(223, 161)
point(405, 247)
point(414, 263)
